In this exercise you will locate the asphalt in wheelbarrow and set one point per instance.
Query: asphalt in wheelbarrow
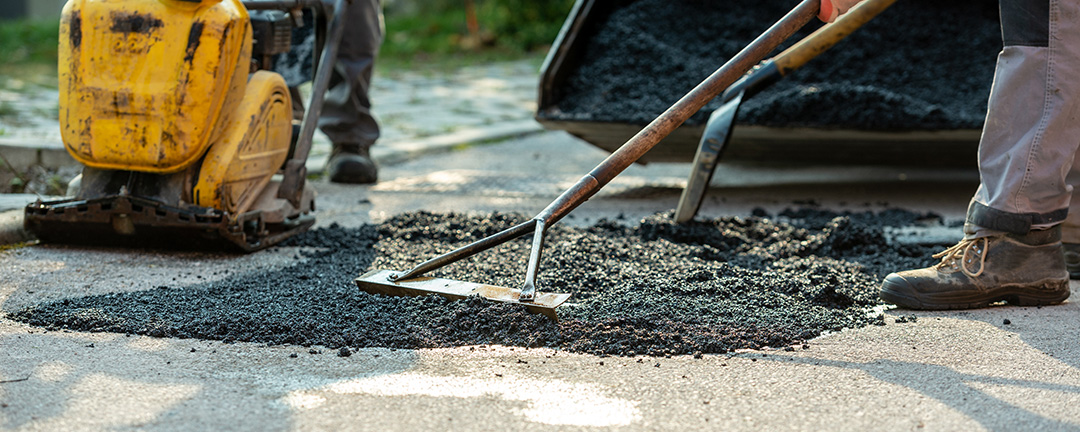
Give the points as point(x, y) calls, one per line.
point(920, 65)
point(651, 287)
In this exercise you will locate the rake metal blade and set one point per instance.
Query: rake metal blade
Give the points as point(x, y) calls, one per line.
point(379, 282)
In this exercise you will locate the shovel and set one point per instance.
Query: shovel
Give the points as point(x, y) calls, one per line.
point(718, 129)
point(410, 283)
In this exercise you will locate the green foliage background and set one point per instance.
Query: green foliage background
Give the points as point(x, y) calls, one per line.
point(524, 24)
point(438, 28)
point(28, 41)
point(417, 31)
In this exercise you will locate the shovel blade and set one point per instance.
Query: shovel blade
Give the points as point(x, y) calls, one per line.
point(716, 136)
point(378, 282)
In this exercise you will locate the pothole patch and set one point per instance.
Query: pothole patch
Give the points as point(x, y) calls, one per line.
point(653, 287)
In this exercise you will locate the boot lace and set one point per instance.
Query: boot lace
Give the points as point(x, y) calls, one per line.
point(965, 253)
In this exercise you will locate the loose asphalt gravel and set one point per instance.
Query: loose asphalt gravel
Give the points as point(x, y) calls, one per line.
point(920, 65)
point(652, 287)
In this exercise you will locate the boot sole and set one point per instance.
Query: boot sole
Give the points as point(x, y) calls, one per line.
point(352, 169)
point(1038, 294)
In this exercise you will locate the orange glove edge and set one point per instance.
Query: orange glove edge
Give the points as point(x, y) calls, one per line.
point(829, 12)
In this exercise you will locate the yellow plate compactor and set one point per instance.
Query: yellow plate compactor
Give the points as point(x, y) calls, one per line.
point(186, 137)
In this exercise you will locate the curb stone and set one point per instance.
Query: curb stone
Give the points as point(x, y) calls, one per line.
point(22, 154)
point(397, 152)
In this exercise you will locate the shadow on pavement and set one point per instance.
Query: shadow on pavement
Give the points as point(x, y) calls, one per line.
point(1016, 376)
point(959, 391)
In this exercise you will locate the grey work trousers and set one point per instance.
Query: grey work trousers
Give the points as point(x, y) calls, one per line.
point(346, 117)
point(1032, 128)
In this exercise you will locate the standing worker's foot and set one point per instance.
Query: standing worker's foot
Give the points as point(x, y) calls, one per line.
point(1024, 270)
point(351, 163)
point(1072, 260)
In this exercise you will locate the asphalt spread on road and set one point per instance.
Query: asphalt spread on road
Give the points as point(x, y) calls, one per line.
point(651, 287)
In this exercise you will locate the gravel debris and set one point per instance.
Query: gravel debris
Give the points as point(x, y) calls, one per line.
point(906, 319)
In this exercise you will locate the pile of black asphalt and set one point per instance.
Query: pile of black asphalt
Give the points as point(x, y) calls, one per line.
point(920, 65)
point(647, 288)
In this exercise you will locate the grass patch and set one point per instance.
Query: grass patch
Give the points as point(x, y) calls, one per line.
point(29, 41)
point(7, 110)
point(29, 49)
point(438, 35)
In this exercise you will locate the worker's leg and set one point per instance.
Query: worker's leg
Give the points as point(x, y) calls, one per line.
point(346, 118)
point(1032, 127)
point(1012, 249)
point(1070, 229)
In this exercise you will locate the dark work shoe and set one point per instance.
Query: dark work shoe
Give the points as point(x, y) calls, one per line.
point(1072, 260)
point(351, 163)
point(1023, 270)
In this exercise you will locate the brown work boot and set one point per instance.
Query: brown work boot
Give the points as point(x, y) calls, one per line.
point(351, 163)
point(1024, 270)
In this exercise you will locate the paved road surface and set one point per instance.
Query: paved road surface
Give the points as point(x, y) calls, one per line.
point(946, 371)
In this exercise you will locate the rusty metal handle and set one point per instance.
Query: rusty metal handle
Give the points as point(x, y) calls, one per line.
point(671, 119)
point(469, 250)
point(631, 151)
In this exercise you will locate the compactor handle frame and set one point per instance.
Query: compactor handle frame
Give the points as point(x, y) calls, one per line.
point(292, 185)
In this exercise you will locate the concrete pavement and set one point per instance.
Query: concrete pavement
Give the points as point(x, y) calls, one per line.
point(896, 377)
point(945, 371)
point(966, 370)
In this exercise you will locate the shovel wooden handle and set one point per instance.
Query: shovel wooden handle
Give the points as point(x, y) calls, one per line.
point(829, 35)
point(805, 50)
point(631, 151)
point(671, 119)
